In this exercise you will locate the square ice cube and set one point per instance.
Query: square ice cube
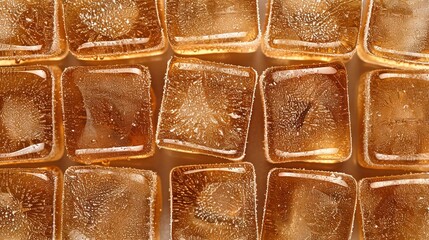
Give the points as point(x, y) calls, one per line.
point(307, 204)
point(31, 30)
point(395, 119)
point(110, 203)
point(306, 113)
point(111, 29)
point(30, 115)
point(206, 108)
point(107, 113)
point(394, 207)
point(312, 29)
point(30, 203)
point(395, 33)
point(205, 26)
point(213, 201)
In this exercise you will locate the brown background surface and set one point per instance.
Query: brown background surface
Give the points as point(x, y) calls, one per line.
point(164, 160)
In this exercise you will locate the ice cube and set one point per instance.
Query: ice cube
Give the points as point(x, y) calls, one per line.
point(395, 207)
point(31, 30)
point(394, 115)
point(302, 204)
point(213, 201)
point(30, 202)
point(312, 29)
point(108, 113)
point(110, 29)
point(306, 113)
point(205, 26)
point(206, 108)
point(110, 203)
point(395, 33)
point(30, 117)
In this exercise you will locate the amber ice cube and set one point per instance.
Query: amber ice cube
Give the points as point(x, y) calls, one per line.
point(107, 113)
point(206, 108)
point(206, 26)
point(213, 201)
point(110, 203)
point(31, 30)
point(304, 204)
point(394, 207)
point(306, 113)
point(30, 202)
point(395, 119)
point(395, 33)
point(312, 29)
point(30, 115)
point(111, 29)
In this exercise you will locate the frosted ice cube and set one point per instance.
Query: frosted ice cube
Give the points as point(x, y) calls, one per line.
point(213, 202)
point(312, 29)
point(306, 113)
point(395, 119)
point(29, 115)
point(395, 207)
point(31, 30)
point(303, 204)
point(204, 26)
point(110, 203)
point(395, 33)
point(108, 113)
point(30, 202)
point(206, 108)
point(114, 29)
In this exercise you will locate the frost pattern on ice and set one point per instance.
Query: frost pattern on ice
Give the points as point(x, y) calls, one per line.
point(102, 28)
point(26, 210)
point(212, 206)
point(305, 116)
point(26, 114)
point(308, 205)
point(314, 215)
point(105, 204)
point(195, 116)
point(397, 212)
point(26, 25)
point(206, 107)
point(400, 28)
point(326, 27)
point(111, 109)
point(205, 21)
point(114, 20)
point(313, 21)
point(399, 120)
point(211, 203)
point(22, 119)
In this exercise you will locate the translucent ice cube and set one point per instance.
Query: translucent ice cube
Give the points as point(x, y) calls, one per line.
point(29, 203)
point(110, 29)
point(303, 204)
point(395, 33)
point(110, 203)
point(312, 29)
point(213, 201)
point(204, 26)
point(107, 113)
point(206, 108)
point(29, 115)
point(31, 30)
point(306, 113)
point(395, 207)
point(395, 119)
